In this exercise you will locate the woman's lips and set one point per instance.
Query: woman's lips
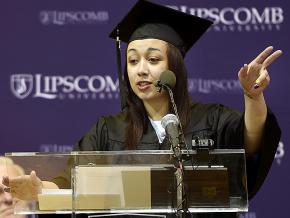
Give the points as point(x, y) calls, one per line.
point(143, 85)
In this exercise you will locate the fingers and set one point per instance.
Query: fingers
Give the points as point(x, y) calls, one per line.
point(266, 57)
point(262, 80)
point(255, 75)
point(243, 71)
point(1, 189)
point(5, 180)
point(269, 60)
point(254, 72)
point(14, 181)
point(15, 185)
point(263, 55)
point(25, 187)
point(4, 189)
point(34, 178)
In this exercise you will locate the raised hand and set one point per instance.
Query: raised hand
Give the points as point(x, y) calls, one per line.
point(254, 77)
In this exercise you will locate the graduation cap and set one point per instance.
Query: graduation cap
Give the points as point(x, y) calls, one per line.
point(147, 20)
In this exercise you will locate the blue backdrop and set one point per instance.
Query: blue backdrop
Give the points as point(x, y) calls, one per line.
point(58, 72)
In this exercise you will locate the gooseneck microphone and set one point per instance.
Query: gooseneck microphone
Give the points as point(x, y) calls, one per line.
point(167, 81)
point(173, 128)
point(171, 125)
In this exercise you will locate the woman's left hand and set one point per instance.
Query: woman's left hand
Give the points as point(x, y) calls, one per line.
point(254, 77)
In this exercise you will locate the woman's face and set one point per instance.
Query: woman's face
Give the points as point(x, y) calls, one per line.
point(146, 60)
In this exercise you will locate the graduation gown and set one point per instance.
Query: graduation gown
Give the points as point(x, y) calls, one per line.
point(207, 121)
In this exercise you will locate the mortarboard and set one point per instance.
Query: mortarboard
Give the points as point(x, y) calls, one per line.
point(149, 20)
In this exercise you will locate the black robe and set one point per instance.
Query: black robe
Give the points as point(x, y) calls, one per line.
point(207, 121)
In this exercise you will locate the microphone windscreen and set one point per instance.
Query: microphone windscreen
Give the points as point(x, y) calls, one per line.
point(167, 77)
point(169, 118)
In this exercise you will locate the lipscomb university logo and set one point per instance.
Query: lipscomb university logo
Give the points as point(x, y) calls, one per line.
point(21, 85)
point(231, 19)
point(56, 17)
point(64, 86)
point(44, 17)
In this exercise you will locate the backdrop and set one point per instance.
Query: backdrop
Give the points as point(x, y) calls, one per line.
point(58, 72)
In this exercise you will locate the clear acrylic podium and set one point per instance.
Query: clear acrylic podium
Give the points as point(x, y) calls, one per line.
point(136, 182)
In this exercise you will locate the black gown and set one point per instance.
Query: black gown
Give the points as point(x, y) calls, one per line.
point(207, 121)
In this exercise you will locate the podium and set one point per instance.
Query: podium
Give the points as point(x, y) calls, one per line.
point(136, 182)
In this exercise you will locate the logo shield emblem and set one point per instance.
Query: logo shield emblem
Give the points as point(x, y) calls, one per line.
point(21, 85)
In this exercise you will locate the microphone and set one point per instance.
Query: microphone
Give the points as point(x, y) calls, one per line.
point(166, 79)
point(170, 123)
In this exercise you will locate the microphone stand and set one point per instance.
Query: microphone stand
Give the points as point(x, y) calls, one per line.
point(181, 206)
point(178, 152)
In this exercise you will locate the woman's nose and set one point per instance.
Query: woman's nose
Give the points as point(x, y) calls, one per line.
point(143, 68)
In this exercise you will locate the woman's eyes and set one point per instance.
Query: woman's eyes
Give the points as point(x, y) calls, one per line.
point(152, 60)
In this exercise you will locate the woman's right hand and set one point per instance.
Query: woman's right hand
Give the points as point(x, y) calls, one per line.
point(26, 187)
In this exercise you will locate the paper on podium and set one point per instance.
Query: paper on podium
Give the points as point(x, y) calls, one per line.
point(61, 199)
point(102, 188)
point(55, 199)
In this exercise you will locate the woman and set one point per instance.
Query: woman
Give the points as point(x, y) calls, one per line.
point(155, 44)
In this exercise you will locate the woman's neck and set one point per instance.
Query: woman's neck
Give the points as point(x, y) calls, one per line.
point(156, 109)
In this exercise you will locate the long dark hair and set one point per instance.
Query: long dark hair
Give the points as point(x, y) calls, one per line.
point(137, 117)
